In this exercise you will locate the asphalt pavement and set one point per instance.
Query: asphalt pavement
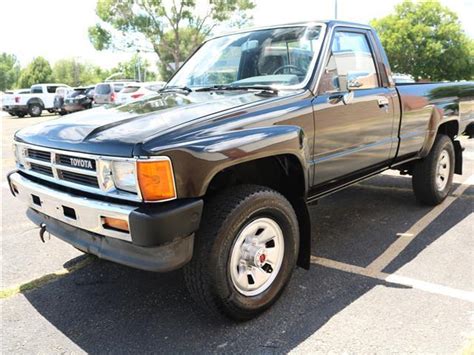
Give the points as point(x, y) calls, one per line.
point(388, 275)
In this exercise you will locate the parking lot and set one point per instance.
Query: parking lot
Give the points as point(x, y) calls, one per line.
point(388, 275)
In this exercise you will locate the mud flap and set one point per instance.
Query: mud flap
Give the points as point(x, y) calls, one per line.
point(458, 149)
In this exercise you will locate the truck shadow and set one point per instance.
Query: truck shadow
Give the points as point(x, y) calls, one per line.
point(109, 308)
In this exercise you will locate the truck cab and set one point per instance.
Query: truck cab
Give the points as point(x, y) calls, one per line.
point(214, 174)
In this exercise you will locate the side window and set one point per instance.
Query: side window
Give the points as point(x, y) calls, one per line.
point(51, 89)
point(350, 66)
point(36, 90)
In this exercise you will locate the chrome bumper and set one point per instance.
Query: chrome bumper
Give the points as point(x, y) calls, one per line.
point(88, 213)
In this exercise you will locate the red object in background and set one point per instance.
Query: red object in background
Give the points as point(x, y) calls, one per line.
point(17, 99)
point(112, 97)
point(136, 96)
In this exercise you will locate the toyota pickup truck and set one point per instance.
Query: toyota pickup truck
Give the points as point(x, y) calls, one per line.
point(40, 97)
point(214, 174)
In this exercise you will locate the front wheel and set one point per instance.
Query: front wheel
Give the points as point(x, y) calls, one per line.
point(433, 175)
point(245, 252)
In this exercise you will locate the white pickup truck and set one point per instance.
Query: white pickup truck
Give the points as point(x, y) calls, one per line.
point(41, 97)
point(8, 100)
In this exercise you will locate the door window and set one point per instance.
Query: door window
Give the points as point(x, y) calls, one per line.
point(351, 64)
point(36, 90)
point(51, 89)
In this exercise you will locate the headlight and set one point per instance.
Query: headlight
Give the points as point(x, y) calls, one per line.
point(123, 173)
point(20, 154)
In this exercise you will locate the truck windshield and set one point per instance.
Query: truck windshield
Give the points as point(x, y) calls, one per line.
point(280, 57)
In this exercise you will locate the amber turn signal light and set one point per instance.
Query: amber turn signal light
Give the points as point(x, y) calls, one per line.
point(115, 223)
point(156, 180)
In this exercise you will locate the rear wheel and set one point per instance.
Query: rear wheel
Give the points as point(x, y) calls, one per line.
point(35, 110)
point(245, 252)
point(433, 175)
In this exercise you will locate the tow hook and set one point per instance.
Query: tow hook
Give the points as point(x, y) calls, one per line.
point(42, 231)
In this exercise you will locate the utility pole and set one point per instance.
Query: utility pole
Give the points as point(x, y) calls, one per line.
point(139, 65)
point(335, 9)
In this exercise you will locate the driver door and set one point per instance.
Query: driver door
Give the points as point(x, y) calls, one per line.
point(354, 111)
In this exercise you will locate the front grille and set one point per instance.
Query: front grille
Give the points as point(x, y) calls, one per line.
point(82, 163)
point(78, 178)
point(45, 170)
point(39, 155)
point(77, 171)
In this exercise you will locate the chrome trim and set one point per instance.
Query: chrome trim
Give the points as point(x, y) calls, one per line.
point(55, 166)
point(103, 172)
point(89, 213)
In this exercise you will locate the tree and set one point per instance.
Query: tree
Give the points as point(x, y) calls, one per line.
point(9, 71)
point(72, 72)
point(171, 29)
point(136, 68)
point(426, 40)
point(38, 71)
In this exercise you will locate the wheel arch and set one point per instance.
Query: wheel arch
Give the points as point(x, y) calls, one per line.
point(283, 173)
point(35, 100)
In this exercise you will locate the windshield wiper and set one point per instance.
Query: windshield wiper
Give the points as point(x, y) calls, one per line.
point(238, 87)
point(176, 88)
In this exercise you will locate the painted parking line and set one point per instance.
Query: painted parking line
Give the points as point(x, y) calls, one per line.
point(45, 279)
point(396, 279)
point(405, 238)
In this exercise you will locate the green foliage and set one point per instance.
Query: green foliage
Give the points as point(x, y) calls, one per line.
point(9, 71)
point(425, 39)
point(189, 39)
point(38, 71)
point(130, 69)
point(74, 73)
point(171, 29)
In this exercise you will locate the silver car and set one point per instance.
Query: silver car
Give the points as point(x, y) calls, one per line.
point(105, 93)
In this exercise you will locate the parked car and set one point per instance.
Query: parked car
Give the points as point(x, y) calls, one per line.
point(41, 97)
point(134, 91)
point(9, 100)
point(403, 78)
point(105, 93)
point(79, 99)
point(60, 94)
point(215, 173)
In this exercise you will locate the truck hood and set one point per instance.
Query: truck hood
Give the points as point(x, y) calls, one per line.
point(116, 130)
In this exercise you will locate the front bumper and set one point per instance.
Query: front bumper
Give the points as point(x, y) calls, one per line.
point(161, 235)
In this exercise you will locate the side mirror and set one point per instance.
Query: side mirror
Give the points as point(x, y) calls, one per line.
point(353, 85)
point(353, 80)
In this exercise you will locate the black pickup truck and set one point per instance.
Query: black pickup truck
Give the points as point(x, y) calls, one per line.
point(215, 173)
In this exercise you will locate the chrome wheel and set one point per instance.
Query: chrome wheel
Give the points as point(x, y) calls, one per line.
point(257, 256)
point(442, 170)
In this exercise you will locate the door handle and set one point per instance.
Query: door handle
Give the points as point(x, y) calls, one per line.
point(383, 102)
point(345, 98)
point(335, 98)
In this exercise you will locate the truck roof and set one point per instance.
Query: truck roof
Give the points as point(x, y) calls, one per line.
point(328, 23)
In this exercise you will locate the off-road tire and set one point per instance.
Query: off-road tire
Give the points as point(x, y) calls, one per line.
point(425, 173)
point(35, 109)
point(207, 275)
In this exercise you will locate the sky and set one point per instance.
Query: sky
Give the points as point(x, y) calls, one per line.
point(57, 29)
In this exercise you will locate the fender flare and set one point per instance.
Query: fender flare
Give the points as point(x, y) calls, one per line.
point(35, 100)
point(436, 120)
